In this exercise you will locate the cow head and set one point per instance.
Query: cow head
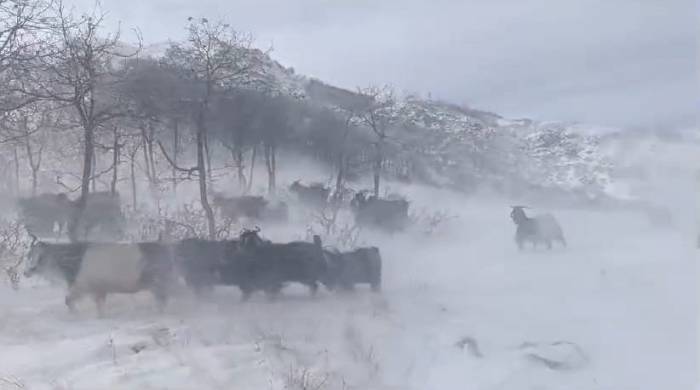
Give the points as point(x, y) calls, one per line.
point(517, 214)
point(359, 200)
point(249, 238)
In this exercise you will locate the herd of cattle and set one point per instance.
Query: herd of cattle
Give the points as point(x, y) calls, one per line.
point(98, 268)
point(51, 215)
point(249, 262)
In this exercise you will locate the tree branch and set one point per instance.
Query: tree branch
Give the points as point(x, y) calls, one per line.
point(189, 171)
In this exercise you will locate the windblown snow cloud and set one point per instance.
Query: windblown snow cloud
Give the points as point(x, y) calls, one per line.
point(624, 63)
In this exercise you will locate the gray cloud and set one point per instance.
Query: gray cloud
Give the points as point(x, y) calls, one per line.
point(624, 62)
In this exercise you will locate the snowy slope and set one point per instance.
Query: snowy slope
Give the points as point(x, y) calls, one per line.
point(464, 148)
point(615, 310)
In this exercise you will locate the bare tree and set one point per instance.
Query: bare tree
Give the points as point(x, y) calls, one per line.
point(132, 151)
point(22, 24)
point(33, 128)
point(279, 114)
point(379, 116)
point(82, 74)
point(215, 56)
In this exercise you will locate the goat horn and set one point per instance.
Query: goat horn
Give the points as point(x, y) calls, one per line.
point(34, 238)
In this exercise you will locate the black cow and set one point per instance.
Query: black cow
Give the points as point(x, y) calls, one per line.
point(275, 211)
point(659, 216)
point(102, 215)
point(99, 269)
point(259, 265)
point(385, 214)
point(42, 213)
point(313, 195)
point(248, 206)
point(200, 261)
point(362, 265)
point(538, 229)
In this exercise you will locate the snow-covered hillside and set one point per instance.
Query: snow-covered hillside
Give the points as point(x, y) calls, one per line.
point(461, 147)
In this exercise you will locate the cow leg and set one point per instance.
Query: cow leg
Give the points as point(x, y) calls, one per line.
point(100, 298)
point(549, 244)
point(246, 292)
point(313, 287)
point(375, 284)
point(348, 286)
point(563, 241)
point(272, 292)
point(161, 296)
point(520, 244)
point(73, 295)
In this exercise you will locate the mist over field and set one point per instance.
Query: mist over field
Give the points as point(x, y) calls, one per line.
point(118, 153)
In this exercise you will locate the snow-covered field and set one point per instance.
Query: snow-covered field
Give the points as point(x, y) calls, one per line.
point(462, 309)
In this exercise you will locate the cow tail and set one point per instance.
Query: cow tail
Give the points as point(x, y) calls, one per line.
point(375, 273)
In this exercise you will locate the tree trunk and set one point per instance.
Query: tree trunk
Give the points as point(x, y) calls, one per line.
point(342, 163)
point(208, 156)
point(16, 157)
point(34, 166)
point(237, 155)
point(340, 177)
point(34, 181)
point(270, 165)
point(151, 155)
point(176, 146)
point(88, 152)
point(202, 173)
point(252, 168)
point(93, 177)
point(146, 161)
point(274, 168)
point(115, 161)
point(377, 168)
point(133, 180)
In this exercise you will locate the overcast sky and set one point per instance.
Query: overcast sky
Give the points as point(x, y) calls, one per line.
point(623, 63)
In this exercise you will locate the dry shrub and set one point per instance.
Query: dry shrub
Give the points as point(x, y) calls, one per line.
point(335, 228)
point(431, 223)
point(14, 244)
point(305, 379)
point(186, 221)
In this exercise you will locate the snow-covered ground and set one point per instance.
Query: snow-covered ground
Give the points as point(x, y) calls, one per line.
point(462, 309)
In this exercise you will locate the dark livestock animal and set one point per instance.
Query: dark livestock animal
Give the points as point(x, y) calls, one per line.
point(252, 207)
point(538, 229)
point(41, 214)
point(659, 216)
point(99, 269)
point(260, 265)
point(102, 216)
point(200, 261)
point(362, 265)
point(275, 211)
point(313, 195)
point(390, 215)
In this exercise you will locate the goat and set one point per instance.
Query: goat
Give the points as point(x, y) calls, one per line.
point(538, 229)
